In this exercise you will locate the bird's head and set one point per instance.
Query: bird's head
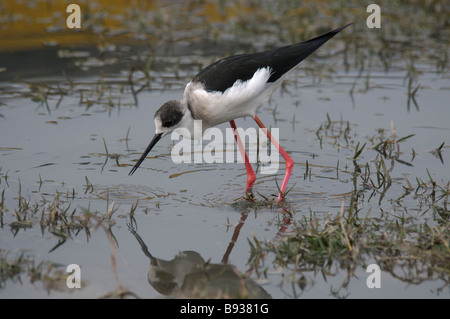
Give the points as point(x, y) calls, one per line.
point(170, 116)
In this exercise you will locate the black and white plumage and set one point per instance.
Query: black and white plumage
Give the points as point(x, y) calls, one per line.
point(221, 75)
point(233, 87)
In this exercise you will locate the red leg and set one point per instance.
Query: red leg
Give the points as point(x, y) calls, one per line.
point(234, 238)
point(251, 177)
point(287, 158)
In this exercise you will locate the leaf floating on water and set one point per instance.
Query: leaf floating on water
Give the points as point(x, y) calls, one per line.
point(43, 165)
point(10, 149)
point(193, 171)
point(21, 224)
point(404, 138)
point(83, 163)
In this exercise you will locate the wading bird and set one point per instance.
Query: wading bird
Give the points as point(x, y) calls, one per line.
point(233, 87)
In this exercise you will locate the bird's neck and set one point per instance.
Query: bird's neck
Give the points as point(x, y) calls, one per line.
point(188, 121)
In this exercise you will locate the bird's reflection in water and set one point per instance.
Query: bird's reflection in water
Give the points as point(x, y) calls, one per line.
point(188, 275)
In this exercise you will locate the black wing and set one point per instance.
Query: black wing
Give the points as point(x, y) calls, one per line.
point(222, 74)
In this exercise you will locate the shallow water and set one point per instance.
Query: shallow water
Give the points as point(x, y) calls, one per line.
point(77, 148)
point(189, 207)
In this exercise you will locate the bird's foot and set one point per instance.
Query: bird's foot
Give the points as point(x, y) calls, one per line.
point(280, 198)
point(248, 195)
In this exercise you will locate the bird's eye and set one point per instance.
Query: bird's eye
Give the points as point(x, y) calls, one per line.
point(169, 119)
point(170, 113)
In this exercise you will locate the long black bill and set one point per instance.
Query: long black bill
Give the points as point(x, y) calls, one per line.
point(155, 140)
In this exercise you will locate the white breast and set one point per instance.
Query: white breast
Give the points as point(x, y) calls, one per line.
point(242, 99)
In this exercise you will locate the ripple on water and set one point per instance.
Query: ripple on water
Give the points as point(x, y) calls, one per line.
point(127, 193)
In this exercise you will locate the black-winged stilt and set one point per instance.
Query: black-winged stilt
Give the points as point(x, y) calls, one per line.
point(234, 87)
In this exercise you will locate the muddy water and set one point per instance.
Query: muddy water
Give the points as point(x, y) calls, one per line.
point(182, 230)
point(191, 207)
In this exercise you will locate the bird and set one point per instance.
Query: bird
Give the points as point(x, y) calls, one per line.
point(234, 87)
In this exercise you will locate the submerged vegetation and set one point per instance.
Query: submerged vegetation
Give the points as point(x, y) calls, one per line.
point(400, 224)
point(409, 239)
point(50, 275)
point(387, 215)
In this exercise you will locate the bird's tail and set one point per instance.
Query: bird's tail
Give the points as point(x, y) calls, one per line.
point(285, 58)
